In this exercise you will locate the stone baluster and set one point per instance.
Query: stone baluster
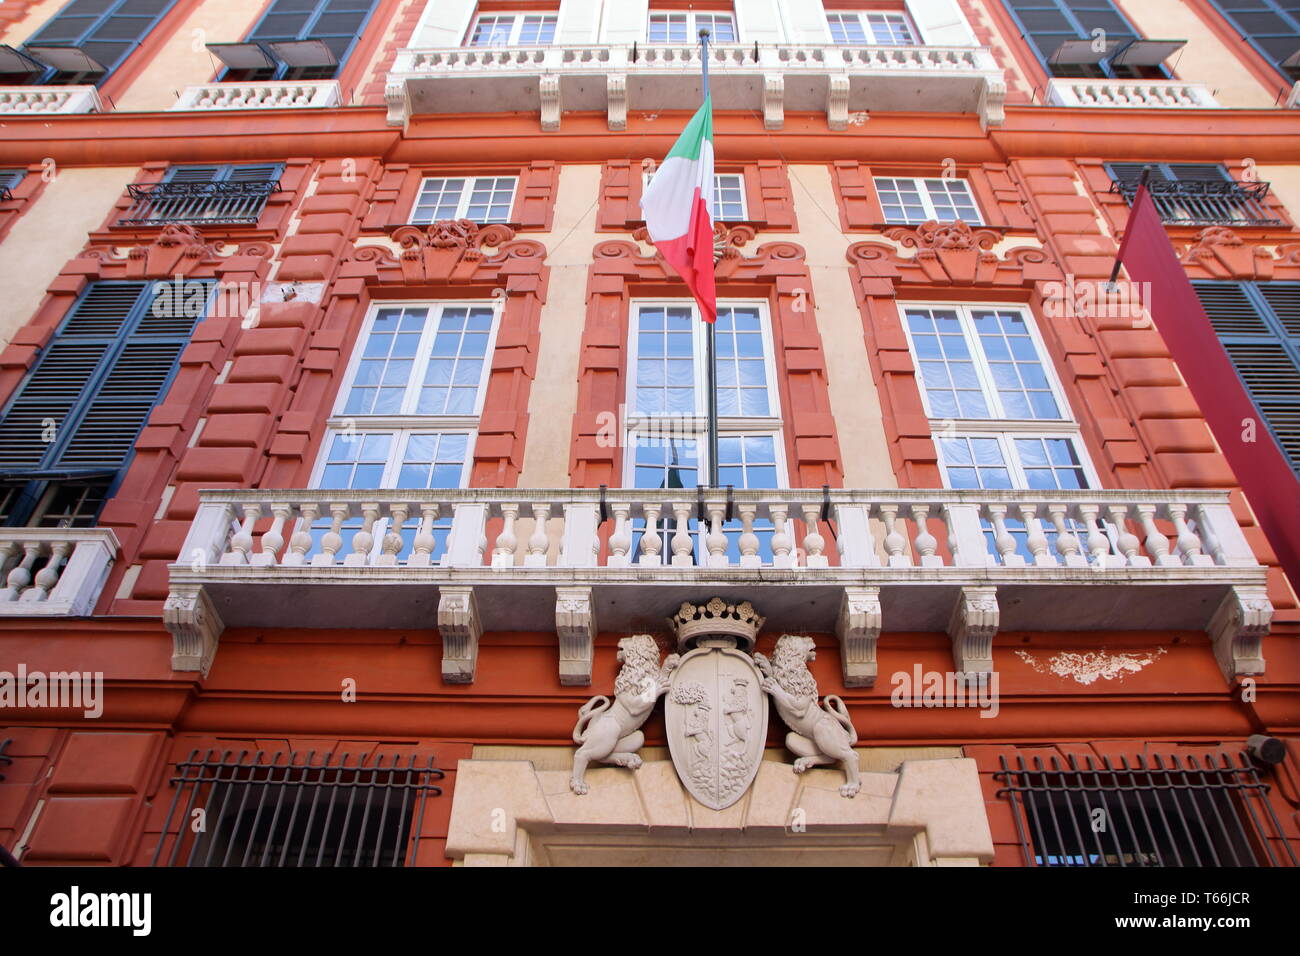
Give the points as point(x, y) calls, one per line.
point(749, 556)
point(1127, 543)
point(894, 542)
point(273, 539)
point(1189, 544)
point(682, 556)
point(48, 576)
point(503, 555)
point(813, 543)
point(620, 542)
point(241, 544)
point(364, 540)
point(782, 543)
point(1098, 543)
point(538, 542)
point(1067, 545)
point(1035, 539)
point(423, 545)
point(716, 540)
point(300, 540)
point(1003, 539)
point(9, 552)
point(1205, 522)
point(651, 543)
point(21, 576)
point(926, 543)
point(331, 542)
point(1157, 544)
point(391, 545)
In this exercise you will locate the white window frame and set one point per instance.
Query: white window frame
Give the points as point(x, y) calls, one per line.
point(692, 28)
point(1006, 440)
point(730, 425)
point(397, 455)
point(862, 17)
point(462, 206)
point(923, 190)
point(744, 195)
point(984, 373)
point(516, 27)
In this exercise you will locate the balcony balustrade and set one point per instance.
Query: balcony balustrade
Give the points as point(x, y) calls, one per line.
point(43, 100)
point(1129, 93)
point(848, 561)
point(218, 203)
point(1195, 203)
point(50, 572)
point(260, 95)
point(840, 80)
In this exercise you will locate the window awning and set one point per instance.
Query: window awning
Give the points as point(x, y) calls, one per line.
point(242, 56)
point(66, 59)
point(1147, 52)
point(1080, 52)
point(304, 53)
point(16, 61)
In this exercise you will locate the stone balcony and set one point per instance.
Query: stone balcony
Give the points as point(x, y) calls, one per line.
point(54, 572)
point(1130, 94)
point(849, 562)
point(263, 95)
point(845, 82)
point(44, 100)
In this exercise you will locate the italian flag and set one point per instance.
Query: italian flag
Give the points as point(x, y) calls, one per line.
point(678, 209)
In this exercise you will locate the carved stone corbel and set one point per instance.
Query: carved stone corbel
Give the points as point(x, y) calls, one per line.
point(1237, 631)
point(461, 628)
point(858, 628)
point(616, 101)
point(973, 623)
point(398, 99)
point(992, 102)
point(548, 88)
point(575, 625)
point(773, 100)
point(195, 626)
point(837, 103)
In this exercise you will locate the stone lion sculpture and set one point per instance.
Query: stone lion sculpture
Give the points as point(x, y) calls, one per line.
point(610, 732)
point(819, 734)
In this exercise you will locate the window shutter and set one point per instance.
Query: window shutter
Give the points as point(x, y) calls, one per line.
point(107, 30)
point(1049, 23)
point(262, 173)
point(9, 178)
point(1259, 328)
point(192, 174)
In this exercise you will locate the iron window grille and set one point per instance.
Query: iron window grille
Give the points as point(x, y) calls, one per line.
point(221, 203)
point(1202, 202)
point(296, 810)
point(1153, 812)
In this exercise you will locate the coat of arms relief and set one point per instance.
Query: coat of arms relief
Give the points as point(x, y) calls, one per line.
point(715, 709)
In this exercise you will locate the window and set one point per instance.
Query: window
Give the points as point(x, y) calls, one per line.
point(227, 195)
point(290, 809)
point(83, 43)
point(1258, 325)
point(481, 199)
point(871, 28)
point(1064, 34)
point(297, 40)
point(685, 27)
point(9, 178)
point(68, 432)
point(915, 201)
point(1271, 26)
point(667, 440)
point(728, 196)
point(408, 411)
point(503, 29)
point(1195, 194)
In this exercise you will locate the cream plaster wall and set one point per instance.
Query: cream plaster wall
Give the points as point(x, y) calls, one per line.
point(52, 231)
point(1205, 59)
point(36, 18)
point(1284, 182)
point(184, 60)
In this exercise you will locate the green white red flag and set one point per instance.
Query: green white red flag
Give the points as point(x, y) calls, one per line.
point(678, 209)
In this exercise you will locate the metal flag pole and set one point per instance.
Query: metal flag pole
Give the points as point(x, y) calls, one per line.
point(710, 358)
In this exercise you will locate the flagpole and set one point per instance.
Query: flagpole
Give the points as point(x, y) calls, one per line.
point(710, 359)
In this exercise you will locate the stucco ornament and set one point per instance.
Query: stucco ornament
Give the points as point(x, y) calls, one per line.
point(610, 732)
point(820, 732)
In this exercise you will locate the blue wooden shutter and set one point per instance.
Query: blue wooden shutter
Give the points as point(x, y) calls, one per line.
point(1049, 23)
point(105, 30)
point(1259, 327)
point(1271, 26)
point(338, 23)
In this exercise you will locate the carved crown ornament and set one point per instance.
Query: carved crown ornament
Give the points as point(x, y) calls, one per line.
point(176, 249)
point(716, 618)
point(950, 253)
point(1219, 253)
point(449, 250)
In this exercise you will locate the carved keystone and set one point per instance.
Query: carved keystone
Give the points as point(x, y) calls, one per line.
point(195, 626)
point(575, 624)
point(461, 627)
point(1237, 631)
point(858, 629)
point(972, 626)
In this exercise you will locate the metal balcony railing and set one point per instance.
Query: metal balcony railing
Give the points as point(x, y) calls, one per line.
point(221, 203)
point(1197, 203)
